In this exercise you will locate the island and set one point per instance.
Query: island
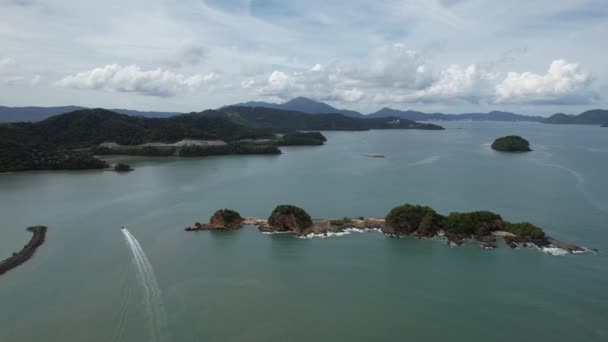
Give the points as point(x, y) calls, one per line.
point(485, 227)
point(605, 125)
point(223, 219)
point(511, 143)
point(301, 139)
point(18, 258)
point(121, 167)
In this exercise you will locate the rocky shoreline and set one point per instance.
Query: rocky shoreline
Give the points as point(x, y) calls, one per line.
point(287, 221)
point(18, 258)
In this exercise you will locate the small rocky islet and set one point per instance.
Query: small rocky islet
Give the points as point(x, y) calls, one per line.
point(484, 227)
point(511, 143)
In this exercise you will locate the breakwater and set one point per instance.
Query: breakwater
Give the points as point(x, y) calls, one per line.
point(18, 258)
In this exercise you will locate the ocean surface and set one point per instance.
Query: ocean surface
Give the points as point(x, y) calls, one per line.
point(91, 281)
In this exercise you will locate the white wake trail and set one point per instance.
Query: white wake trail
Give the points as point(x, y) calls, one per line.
point(152, 295)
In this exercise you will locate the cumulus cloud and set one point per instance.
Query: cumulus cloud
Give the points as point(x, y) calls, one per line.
point(396, 74)
point(389, 67)
point(564, 83)
point(456, 83)
point(132, 79)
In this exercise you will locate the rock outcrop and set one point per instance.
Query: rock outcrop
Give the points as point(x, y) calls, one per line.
point(512, 143)
point(288, 218)
point(224, 219)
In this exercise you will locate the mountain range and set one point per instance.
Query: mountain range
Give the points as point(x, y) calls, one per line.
point(304, 105)
point(33, 114)
point(308, 106)
point(282, 120)
point(590, 117)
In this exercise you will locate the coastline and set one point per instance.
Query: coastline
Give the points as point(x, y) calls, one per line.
point(18, 258)
point(324, 227)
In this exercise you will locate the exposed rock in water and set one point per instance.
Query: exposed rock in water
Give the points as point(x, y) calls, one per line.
point(285, 218)
point(224, 219)
point(488, 241)
point(565, 246)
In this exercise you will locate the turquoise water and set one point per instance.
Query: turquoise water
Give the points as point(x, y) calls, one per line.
point(245, 286)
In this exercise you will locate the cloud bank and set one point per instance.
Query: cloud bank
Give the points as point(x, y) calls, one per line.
point(395, 74)
point(132, 79)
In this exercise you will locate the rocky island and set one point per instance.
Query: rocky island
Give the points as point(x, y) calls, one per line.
point(223, 219)
point(121, 167)
point(28, 250)
point(512, 143)
point(484, 227)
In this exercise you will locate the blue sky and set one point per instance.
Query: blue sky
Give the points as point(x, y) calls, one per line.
point(536, 57)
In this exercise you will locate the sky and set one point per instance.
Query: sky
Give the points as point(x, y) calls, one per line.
point(454, 56)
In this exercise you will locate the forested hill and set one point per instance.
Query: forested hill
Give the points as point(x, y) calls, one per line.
point(420, 116)
point(591, 117)
point(34, 114)
point(285, 120)
point(302, 105)
point(51, 144)
point(88, 127)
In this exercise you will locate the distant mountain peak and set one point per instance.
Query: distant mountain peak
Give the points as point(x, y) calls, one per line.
point(304, 105)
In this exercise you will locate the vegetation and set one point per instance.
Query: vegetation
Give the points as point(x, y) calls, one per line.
point(590, 117)
point(120, 167)
point(49, 144)
point(21, 157)
point(302, 218)
point(229, 216)
point(146, 151)
point(286, 120)
point(525, 230)
point(407, 219)
point(477, 223)
point(424, 221)
point(234, 148)
point(512, 143)
point(301, 138)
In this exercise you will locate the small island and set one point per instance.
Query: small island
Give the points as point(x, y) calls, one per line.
point(605, 125)
point(27, 252)
point(121, 167)
point(302, 139)
point(511, 143)
point(223, 219)
point(485, 227)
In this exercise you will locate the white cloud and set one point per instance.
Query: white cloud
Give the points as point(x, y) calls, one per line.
point(187, 55)
point(12, 80)
point(395, 74)
point(131, 78)
point(563, 83)
point(7, 63)
point(456, 83)
point(35, 80)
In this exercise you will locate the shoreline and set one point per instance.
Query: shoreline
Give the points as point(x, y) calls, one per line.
point(18, 258)
point(324, 227)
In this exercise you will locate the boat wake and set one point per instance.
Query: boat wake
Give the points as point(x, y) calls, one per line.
point(580, 181)
point(425, 161)
point(153, 301)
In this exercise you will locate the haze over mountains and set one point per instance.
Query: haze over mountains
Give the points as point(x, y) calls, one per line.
point(33, 114)
point(305, 105)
